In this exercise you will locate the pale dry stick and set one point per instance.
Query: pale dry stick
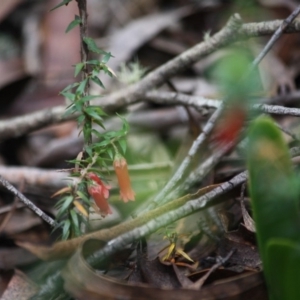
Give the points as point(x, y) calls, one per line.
point(277, 110)
point(160, 75)
point(13, 209)
point(191, 206)
point(19, 126)
point(173, 98)
point(188, 208)
point(8, 208)
point(276, 36)
point(230, 33)
point(180, 172)
point(27, 202)
point(198, 102)
point(198, 174)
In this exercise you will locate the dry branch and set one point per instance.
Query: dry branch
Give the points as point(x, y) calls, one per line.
point(21, 125)
point(27, 202)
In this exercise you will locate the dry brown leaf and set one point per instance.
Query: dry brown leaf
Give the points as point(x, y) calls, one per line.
point(248, 221)
point(83, 282)
point(128, 39)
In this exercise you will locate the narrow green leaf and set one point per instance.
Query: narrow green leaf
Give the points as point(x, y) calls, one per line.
point(73, 24)
point(98, 81)
point(284, 269)
point(123, 145)
point(93, 113)
point(274, 189)
point(97, 133)
point(92, 46)
point(74, 217)
point(82, 86)
point(71, 110)
point(89, 151)
point(102, 143)
point(110, 153)
point(75, 222)
point(125, 127)
point(69, 96)
point(99, 123)
point(95, 72)
point(78, 105)
point(64, 2)
point(93, 62)
point(81, 119)
point(58, 225)
point(59, 203)
point(78, 68)
point(66, 230)
point(67, 202)
point(99, 110)
point(83, 197)
point(88, 98)
point(69, 87)
point(106, 57)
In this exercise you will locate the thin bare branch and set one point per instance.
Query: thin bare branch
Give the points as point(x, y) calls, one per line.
point(276, 35)
point(181, 171)
point(172, 98)
point(189, 207)
point(232, 32)
point(21, 125)
point(27, 202)
point(277, 110)
point(199, 103)
point(123, 240)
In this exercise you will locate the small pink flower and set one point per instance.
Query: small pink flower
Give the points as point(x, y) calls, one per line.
point(97, 181)
point(100, 193)
point(126, 192)
point(231, 123)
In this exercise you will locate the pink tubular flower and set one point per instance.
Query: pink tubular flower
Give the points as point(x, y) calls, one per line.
point(126, 192)
point(100, 193)
point(229, 127)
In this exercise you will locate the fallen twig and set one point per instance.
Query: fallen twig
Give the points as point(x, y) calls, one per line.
point(27, 202)
point(21, 125)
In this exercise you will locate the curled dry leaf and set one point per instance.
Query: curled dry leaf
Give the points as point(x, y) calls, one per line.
point(84, 282)
point(64, 190)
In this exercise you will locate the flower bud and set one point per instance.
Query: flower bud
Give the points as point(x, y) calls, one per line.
point(120, 166)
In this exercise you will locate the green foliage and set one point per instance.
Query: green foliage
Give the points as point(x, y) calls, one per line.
point(73, 24)
point(230, 75)
point(99, 148)
point(93, 47)
point(274, 191)
point(64, 2)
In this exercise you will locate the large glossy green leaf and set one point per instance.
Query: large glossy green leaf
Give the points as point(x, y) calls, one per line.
point(274, 192)
point(284, 269)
